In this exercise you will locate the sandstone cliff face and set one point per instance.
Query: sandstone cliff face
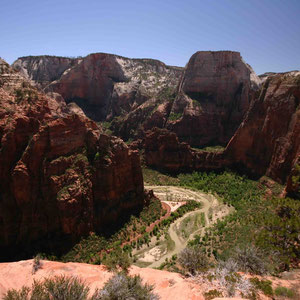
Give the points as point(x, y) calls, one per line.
point(211, 94)
point(164, 151)
point(266, 143)
point(213, 97)
point(103, 85)
point(268, 140)
point(60, 178)
point(42, 70)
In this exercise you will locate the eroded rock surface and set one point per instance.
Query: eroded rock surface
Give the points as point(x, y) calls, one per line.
point(214, 94)
point(268, 140)
point(60, 177)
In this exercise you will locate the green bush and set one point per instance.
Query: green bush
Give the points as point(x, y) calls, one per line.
point(123, 287)
point(264, 285)
point(56, 288)
point(284, 292)
point(193, 260)
point(117, 259)
point(212, 294)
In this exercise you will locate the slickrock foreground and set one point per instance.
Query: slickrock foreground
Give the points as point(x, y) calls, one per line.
point(169, 286)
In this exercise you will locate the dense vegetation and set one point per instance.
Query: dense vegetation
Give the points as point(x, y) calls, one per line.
point(96, 248)
point(269, 224)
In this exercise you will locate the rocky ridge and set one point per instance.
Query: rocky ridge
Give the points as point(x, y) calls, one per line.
point(60, 176)
point(266, 142)
point(135, 95)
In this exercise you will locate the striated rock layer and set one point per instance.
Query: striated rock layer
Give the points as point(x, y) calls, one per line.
point(203, 103)
point(214, 94)
point(60, 177)
point(103, 85)
point(267, 141)
point(164, 151)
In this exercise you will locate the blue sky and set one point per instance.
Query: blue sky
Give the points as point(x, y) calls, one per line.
point(266, 32)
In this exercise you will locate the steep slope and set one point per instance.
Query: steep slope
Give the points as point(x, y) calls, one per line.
point(103, 85)
point(42, 70)
point(60, 178)
point(268, 140)
point(214, 94)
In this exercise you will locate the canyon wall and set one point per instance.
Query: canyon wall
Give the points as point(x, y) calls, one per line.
point(203, 103)
point(60, 177)
point(266, 143)
point(213, 96)
point(268, 140)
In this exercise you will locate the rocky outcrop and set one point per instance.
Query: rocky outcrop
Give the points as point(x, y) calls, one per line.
point(60, 177)
point(211, 94)
point(266, 143)
point(167, 285)
point(105, 86)
point(44, 69)
point(268, 140)
point(164, 151)
point(214, 94)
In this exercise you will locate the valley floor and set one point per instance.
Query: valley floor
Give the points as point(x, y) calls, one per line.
point(184, 228)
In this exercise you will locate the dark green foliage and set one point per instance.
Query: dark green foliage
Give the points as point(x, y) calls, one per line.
point(87, 249)
point(116, 260)
point(212, 294)
point(192, 259)
point(175, 116)
point(189, 206)
point(264, 285)
point(284, 292)
point(37, 264)
point(272, 225)
point(56, 288)
point(123, 287)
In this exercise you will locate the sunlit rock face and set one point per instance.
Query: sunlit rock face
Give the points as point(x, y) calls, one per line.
point(214, 94)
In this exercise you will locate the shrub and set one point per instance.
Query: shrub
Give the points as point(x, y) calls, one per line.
point(117, 259)
point(56, 288)
point(284, 292)
point(36, 264)
point(123, 287)
point(193, 260)
point(250, 259)
point(212, 294)
point(264, 285)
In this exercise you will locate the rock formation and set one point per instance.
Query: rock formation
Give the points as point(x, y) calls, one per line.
point(60, 177)
point(103, 85)
point(42, 70)
point(168, 285)
point(164, 151)
point(266, 143)
point(138, 94)
point(214, 95)
point(268, 140)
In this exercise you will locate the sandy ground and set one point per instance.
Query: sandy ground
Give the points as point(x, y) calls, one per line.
point(169, 286)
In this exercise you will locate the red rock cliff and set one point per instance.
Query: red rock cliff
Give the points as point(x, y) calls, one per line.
point(60, 178)
point(268, 140)
point(214, 95)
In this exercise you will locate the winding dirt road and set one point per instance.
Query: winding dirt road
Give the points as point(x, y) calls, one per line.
point(213, 210)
